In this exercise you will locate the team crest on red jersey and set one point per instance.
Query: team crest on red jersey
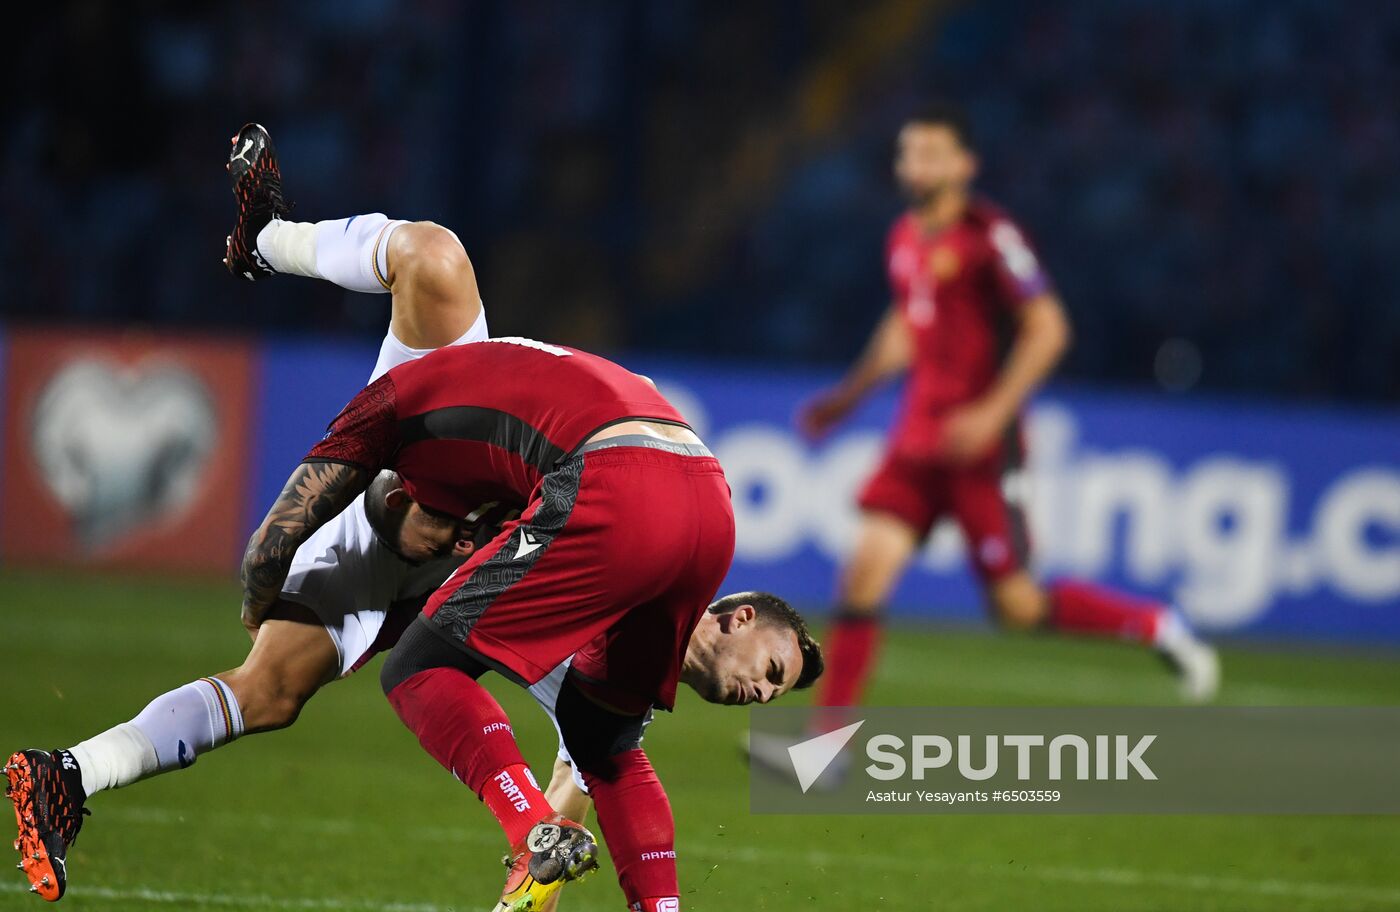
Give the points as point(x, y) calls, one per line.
point(943, 263)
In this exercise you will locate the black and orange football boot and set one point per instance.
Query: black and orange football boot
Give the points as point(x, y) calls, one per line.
point(47, 792)
point(556, 851)
point(257, 185)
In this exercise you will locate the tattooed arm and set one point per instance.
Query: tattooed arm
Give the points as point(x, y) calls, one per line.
point(315, 494)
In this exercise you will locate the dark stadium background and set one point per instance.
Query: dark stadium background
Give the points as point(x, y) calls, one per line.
point(702, 189)
point(714, 178)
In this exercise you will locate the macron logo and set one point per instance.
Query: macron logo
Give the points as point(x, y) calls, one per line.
point(810, 758)
point(529, 544)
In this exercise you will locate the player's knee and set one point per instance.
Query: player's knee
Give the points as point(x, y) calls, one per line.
point(1019, 609)
point(430, 258)
point(864, 587)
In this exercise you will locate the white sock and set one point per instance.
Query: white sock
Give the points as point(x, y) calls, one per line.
point(1172, 632)
point(351, 252)
point(169, 733)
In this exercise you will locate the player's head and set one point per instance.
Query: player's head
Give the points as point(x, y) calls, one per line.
point(934, 154)
point(751, 647)
point(413, 531)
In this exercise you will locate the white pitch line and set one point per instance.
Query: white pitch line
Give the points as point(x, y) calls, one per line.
point(1125, 877)
point(165, 897)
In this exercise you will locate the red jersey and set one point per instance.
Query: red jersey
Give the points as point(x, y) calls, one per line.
point(485, 421)
point(957, 289)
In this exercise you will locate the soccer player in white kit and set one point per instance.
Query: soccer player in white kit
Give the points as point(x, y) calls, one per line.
point(350, 590)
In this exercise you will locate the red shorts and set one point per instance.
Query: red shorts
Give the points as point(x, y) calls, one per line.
point(614, 562)
point(922, 493)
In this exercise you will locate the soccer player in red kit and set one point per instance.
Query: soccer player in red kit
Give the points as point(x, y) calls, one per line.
point(977, 325)
point(625, 536)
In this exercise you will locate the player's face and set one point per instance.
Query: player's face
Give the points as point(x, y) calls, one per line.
point(425, 536)
point(748, 662)
point(930, 160)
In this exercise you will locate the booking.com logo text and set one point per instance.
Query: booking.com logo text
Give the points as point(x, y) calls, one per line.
point(1222, 535)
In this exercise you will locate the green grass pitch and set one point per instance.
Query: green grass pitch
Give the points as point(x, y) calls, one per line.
point(344, 811)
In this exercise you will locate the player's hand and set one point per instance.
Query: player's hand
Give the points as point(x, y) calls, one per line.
point(970, 432)
point(819, 415)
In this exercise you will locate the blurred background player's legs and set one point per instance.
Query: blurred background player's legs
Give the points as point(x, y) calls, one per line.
point(998, 545)
point(884, 546)
point(886, 543)
point(1079, 608)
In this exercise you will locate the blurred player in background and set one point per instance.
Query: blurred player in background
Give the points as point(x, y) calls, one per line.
point(978, 327)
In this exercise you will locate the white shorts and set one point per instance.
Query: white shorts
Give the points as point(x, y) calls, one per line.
point(392, 352)
point(353, 582)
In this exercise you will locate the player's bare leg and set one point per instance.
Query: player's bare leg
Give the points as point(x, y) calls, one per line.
point(292, 658)
point(1017, 601)
point(565, 796)
point(884, 547)
point(435, 296)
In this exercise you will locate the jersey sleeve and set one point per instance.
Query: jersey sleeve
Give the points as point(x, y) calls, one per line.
point(365, 433)
point(1015, 266)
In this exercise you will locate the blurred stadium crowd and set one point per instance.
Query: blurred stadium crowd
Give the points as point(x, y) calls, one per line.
point(1213, 184)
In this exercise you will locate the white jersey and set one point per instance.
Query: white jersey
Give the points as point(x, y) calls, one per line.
point(392, 352)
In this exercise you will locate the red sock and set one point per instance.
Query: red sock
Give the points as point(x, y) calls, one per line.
point(635, 816)
point(850, 649)
point(515, 798)
point(1083, 608)
point(465, 729)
